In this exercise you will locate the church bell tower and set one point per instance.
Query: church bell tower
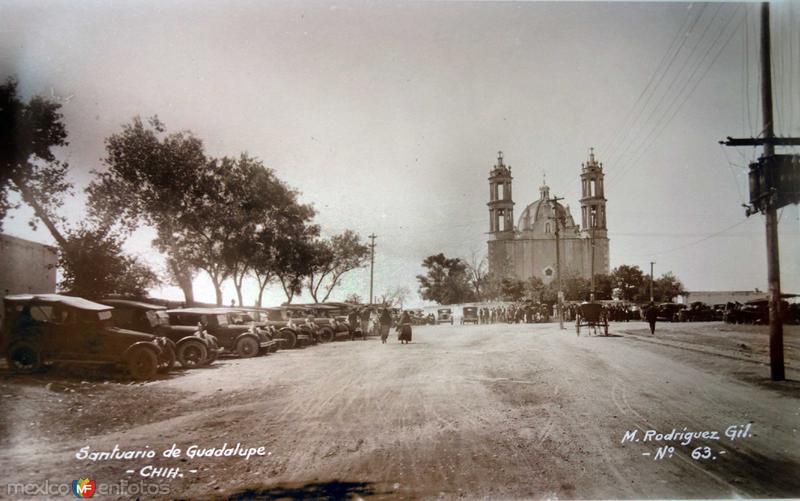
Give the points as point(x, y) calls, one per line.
point(501, 206)
point(593, 201)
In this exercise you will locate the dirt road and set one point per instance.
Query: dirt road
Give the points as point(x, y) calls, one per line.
point(500, 411)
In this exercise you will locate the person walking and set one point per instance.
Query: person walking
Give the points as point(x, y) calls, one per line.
point(650, 315)
point(364, 317)
point(385, 323)
point(353, 323)
point(404, 328)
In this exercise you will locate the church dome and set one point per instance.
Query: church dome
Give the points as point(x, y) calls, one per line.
point(540, 216)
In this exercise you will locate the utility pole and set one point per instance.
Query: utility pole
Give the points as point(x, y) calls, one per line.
point(557, 219)
point(771, 213)
point(774, 183)
point(372, 238)
point(651, 280)
point(593, 221)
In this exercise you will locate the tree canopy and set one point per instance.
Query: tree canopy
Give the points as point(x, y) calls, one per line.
point(446, 281)
point(28, 134)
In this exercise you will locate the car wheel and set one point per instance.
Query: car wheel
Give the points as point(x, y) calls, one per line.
point(326, 335)
point(24, 358)
point(167, 360)
point(289, 339)
point(247, 347)
point(192, 354)
point(142, 363)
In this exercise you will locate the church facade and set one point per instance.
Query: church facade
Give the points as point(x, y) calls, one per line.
point(546, 233)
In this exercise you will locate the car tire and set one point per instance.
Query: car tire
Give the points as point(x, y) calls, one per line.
point(142, 363)
point(326, 335)
point(192, 354)
point(24, 359)
point(247, 347)
point(289, 339)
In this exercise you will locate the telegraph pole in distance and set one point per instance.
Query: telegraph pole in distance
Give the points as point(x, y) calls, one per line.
point(372, 238)
point(558, 262)
point(593, 221)
point(651, 280)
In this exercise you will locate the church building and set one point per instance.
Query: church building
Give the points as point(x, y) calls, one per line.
point(529, 248)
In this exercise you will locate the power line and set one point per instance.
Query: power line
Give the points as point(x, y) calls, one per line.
point(608, 146)
point(635, 127)
point(650, 140)
point(615, 160)
point(691, 244)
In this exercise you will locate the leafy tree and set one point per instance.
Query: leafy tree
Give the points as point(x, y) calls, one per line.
point(158, 179)
point(629, 280)
point(276, 238)
point(667, 287)
point(512, 289)
point(446, 280)
point(353, 298)
point(28, 133)
point(332, 259)
point(293, 260)
point(93, 265)
point(534, 288)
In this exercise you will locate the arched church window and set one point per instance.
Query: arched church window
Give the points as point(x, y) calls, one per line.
point(547, 228)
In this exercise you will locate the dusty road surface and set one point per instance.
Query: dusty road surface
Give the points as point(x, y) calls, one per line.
point(500, 411)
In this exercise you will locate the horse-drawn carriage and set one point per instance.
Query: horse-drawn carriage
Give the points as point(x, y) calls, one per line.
point(593, 316)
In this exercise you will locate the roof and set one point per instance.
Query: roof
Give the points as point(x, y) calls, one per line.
point(72, 301)
point(133, 304)
point(201, 311)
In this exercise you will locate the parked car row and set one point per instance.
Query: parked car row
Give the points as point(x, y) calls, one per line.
point(144, 337)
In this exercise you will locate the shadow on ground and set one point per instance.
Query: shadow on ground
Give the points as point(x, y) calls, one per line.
point(334, 489)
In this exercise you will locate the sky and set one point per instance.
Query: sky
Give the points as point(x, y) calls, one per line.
point(387, 116)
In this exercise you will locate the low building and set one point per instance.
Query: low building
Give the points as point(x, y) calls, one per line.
point(721, 297)
point(26, 267)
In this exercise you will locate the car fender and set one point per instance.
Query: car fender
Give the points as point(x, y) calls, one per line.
point(182, 341)
point(246, 334)
point(142, 344)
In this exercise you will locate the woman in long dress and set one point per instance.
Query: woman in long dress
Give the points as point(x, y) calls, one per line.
point(404, 328)
point(385, 322)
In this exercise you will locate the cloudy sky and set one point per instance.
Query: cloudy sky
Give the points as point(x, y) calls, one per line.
point(388, 115)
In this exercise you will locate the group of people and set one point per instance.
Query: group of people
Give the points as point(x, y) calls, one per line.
point(380, 321)
point(527, 313)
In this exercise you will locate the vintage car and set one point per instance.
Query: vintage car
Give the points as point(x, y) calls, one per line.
point(696, 312)
point(668, 311)
point(41, 329)
point(444, 316)
point(193, 348)
point(242, 340)
point(470, 315)
point(330, 318)
point(293, 330)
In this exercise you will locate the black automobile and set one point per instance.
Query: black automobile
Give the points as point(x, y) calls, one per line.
point(470, 315)
point(42, 329)
point(242, 340)
point(696, 312)
point(668, 311)
point(192, 346)
point(445, 316)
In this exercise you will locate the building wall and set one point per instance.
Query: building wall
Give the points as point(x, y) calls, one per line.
point(531, 257)
point(721, 297)
point(26, 266)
